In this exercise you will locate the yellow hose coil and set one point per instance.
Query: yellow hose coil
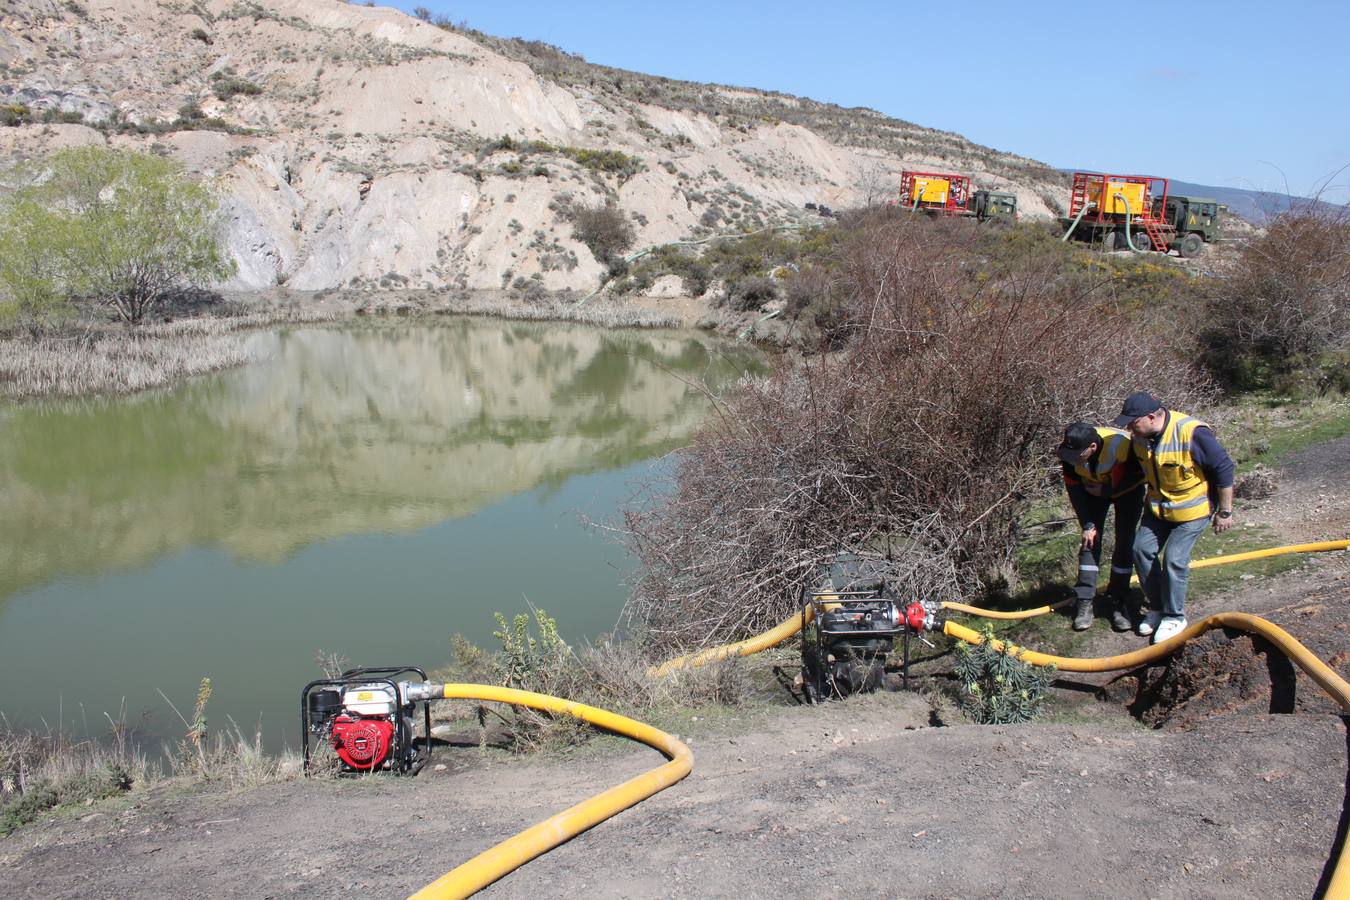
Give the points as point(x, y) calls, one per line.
point(515, 851)
point(1318, 671)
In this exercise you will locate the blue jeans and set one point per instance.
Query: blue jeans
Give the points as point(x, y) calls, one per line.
point(1164, 581)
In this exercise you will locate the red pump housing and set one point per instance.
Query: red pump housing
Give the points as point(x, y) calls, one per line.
point(362, 742)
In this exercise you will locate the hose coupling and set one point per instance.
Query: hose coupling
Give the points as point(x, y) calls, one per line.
point(922, 615)
point(418, 691)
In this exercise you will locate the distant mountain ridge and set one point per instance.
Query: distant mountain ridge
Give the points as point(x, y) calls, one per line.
point(1257, 207)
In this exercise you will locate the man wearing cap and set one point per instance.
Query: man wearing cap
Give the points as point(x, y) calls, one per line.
point(1190, 485)
point(1101, 472)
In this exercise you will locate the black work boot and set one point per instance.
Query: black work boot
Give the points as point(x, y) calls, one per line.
point(1120, 614)
point(1082, 616)
point(1121, 611)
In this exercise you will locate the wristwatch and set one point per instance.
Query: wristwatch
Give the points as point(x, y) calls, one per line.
point(1225, 514)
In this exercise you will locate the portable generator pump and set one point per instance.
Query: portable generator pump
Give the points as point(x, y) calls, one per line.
point(368, 719)
point(850, 631)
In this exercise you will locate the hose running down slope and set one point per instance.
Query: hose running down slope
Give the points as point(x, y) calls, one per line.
point(515, 851)
point(1339, 886)
point(536, 840)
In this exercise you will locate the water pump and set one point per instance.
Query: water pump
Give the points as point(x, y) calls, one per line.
point(369, 720)
point(849, 630)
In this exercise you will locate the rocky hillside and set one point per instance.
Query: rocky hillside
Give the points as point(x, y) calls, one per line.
point(361, 147)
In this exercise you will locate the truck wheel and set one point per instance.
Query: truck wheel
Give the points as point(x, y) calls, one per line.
point(1142, 242)
point(1191, 246)
point(1111, 240)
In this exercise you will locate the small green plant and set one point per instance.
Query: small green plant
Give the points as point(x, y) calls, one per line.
point(528, 662)
point(15, 114)
point(229, 86)
point(997, 687)
point(544, 664)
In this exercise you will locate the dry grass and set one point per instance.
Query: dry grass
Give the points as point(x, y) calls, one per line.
point(108, 359)
point(51, 769)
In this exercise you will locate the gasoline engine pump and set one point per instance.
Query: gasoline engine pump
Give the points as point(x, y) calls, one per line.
point(369, 719)
point(850, 635)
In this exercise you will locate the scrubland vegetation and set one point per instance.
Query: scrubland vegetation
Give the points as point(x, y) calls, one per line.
point(937, 364)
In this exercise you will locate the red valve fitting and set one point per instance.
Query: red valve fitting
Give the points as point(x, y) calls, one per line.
point(916, 616)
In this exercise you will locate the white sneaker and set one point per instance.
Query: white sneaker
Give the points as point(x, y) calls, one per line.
point(1170, 628)
point(1150, 622)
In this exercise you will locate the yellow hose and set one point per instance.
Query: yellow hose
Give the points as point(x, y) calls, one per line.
point(771, 638)
point(1229, 559)
point(515, 851)
point(1317, 547)
point(1318, 671)
point(510, 854)
point(792, 625)
point(1001, 614)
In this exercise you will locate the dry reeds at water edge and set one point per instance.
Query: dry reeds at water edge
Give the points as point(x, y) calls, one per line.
point(114, 359)
point(44, 770)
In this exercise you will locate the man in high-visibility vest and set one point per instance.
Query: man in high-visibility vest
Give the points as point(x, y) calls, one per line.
point(1101, 472)
point(1190, 485)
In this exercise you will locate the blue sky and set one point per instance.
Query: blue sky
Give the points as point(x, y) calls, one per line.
point(1240, 94)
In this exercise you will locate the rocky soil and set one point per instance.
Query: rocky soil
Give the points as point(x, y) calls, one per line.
point(1238, 790)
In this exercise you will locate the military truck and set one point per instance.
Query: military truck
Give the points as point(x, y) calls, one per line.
point(994, 206)
point(1194, 220)
point(1118, 211)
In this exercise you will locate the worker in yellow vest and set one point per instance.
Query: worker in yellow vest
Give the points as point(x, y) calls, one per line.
point(1101, 472)
point(1190, 485)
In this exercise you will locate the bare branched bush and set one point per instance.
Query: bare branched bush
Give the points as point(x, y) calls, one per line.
point(751, 294)
point(1281, 318)
point(604, 229)
point(923, 438)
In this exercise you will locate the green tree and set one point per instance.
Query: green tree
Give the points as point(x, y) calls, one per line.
point(120, 228)
point(30, 295)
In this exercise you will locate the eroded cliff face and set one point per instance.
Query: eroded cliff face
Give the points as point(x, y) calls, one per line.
point(361, 147)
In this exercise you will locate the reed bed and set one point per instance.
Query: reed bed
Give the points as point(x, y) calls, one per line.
point(112, 359)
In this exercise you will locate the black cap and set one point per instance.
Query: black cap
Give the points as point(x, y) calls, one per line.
point(1078, 436)
point(1140, 403)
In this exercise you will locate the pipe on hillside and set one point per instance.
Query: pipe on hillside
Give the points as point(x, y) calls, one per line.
point(514, 852)
point(1228, 559)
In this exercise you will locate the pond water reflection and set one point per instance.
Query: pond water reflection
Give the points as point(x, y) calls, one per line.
point(366, 491)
